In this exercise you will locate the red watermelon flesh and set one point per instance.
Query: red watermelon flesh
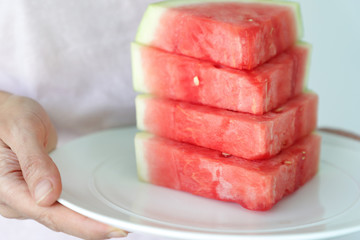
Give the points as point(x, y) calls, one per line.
point(183, 78)
point(239, 134)
point(239, 34)
point(256, 185)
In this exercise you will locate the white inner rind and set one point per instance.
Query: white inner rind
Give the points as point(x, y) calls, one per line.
point(141, 163)
point(140, 106)
point(155, 11)
point(137, 68)
point(149, 23)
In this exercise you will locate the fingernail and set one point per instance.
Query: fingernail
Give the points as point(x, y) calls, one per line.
point(42, 190)
point(117, 234)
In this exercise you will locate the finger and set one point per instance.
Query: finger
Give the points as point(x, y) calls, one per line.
point(40, 173)
point(18, 203)
point(60, 218)
point(38, 169)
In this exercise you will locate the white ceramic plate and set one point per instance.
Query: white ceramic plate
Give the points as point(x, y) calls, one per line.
point(99, 180)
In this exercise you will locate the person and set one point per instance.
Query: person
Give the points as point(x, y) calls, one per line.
point(64, 72)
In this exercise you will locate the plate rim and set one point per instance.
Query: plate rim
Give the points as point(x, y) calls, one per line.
point(181, 234)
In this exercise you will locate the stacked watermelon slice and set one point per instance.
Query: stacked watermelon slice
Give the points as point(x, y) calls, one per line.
point(225, 112)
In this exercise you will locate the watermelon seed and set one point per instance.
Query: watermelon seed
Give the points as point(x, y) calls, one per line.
point(226, 155)
point(271, 31)
point(278, 110)
point(288, 162)
point(304, 157)
point(196, 81)
point(250, 20)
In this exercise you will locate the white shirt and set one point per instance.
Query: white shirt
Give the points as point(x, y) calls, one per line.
point(73, 57)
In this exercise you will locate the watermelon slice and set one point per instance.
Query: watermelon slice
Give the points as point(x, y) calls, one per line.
point(237, 33)
point(256, 185)
point(239, 134)
point(183, 78)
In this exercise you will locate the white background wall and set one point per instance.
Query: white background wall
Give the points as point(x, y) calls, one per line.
point(333, 27)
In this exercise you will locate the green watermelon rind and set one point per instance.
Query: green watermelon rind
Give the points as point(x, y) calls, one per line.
point(137, 70)
point(147, 28)
point(141, 164)
point(309, 47)
point(154, 11)
point(140, 109)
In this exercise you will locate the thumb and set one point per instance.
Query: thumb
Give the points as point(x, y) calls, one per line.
point(39, 171)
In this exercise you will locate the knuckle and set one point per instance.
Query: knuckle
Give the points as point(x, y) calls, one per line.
point(24, 128)
point(31, 168)
point(48, 220)
point(8, 163)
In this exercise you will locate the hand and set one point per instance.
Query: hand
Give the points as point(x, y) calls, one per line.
point(29, 180)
